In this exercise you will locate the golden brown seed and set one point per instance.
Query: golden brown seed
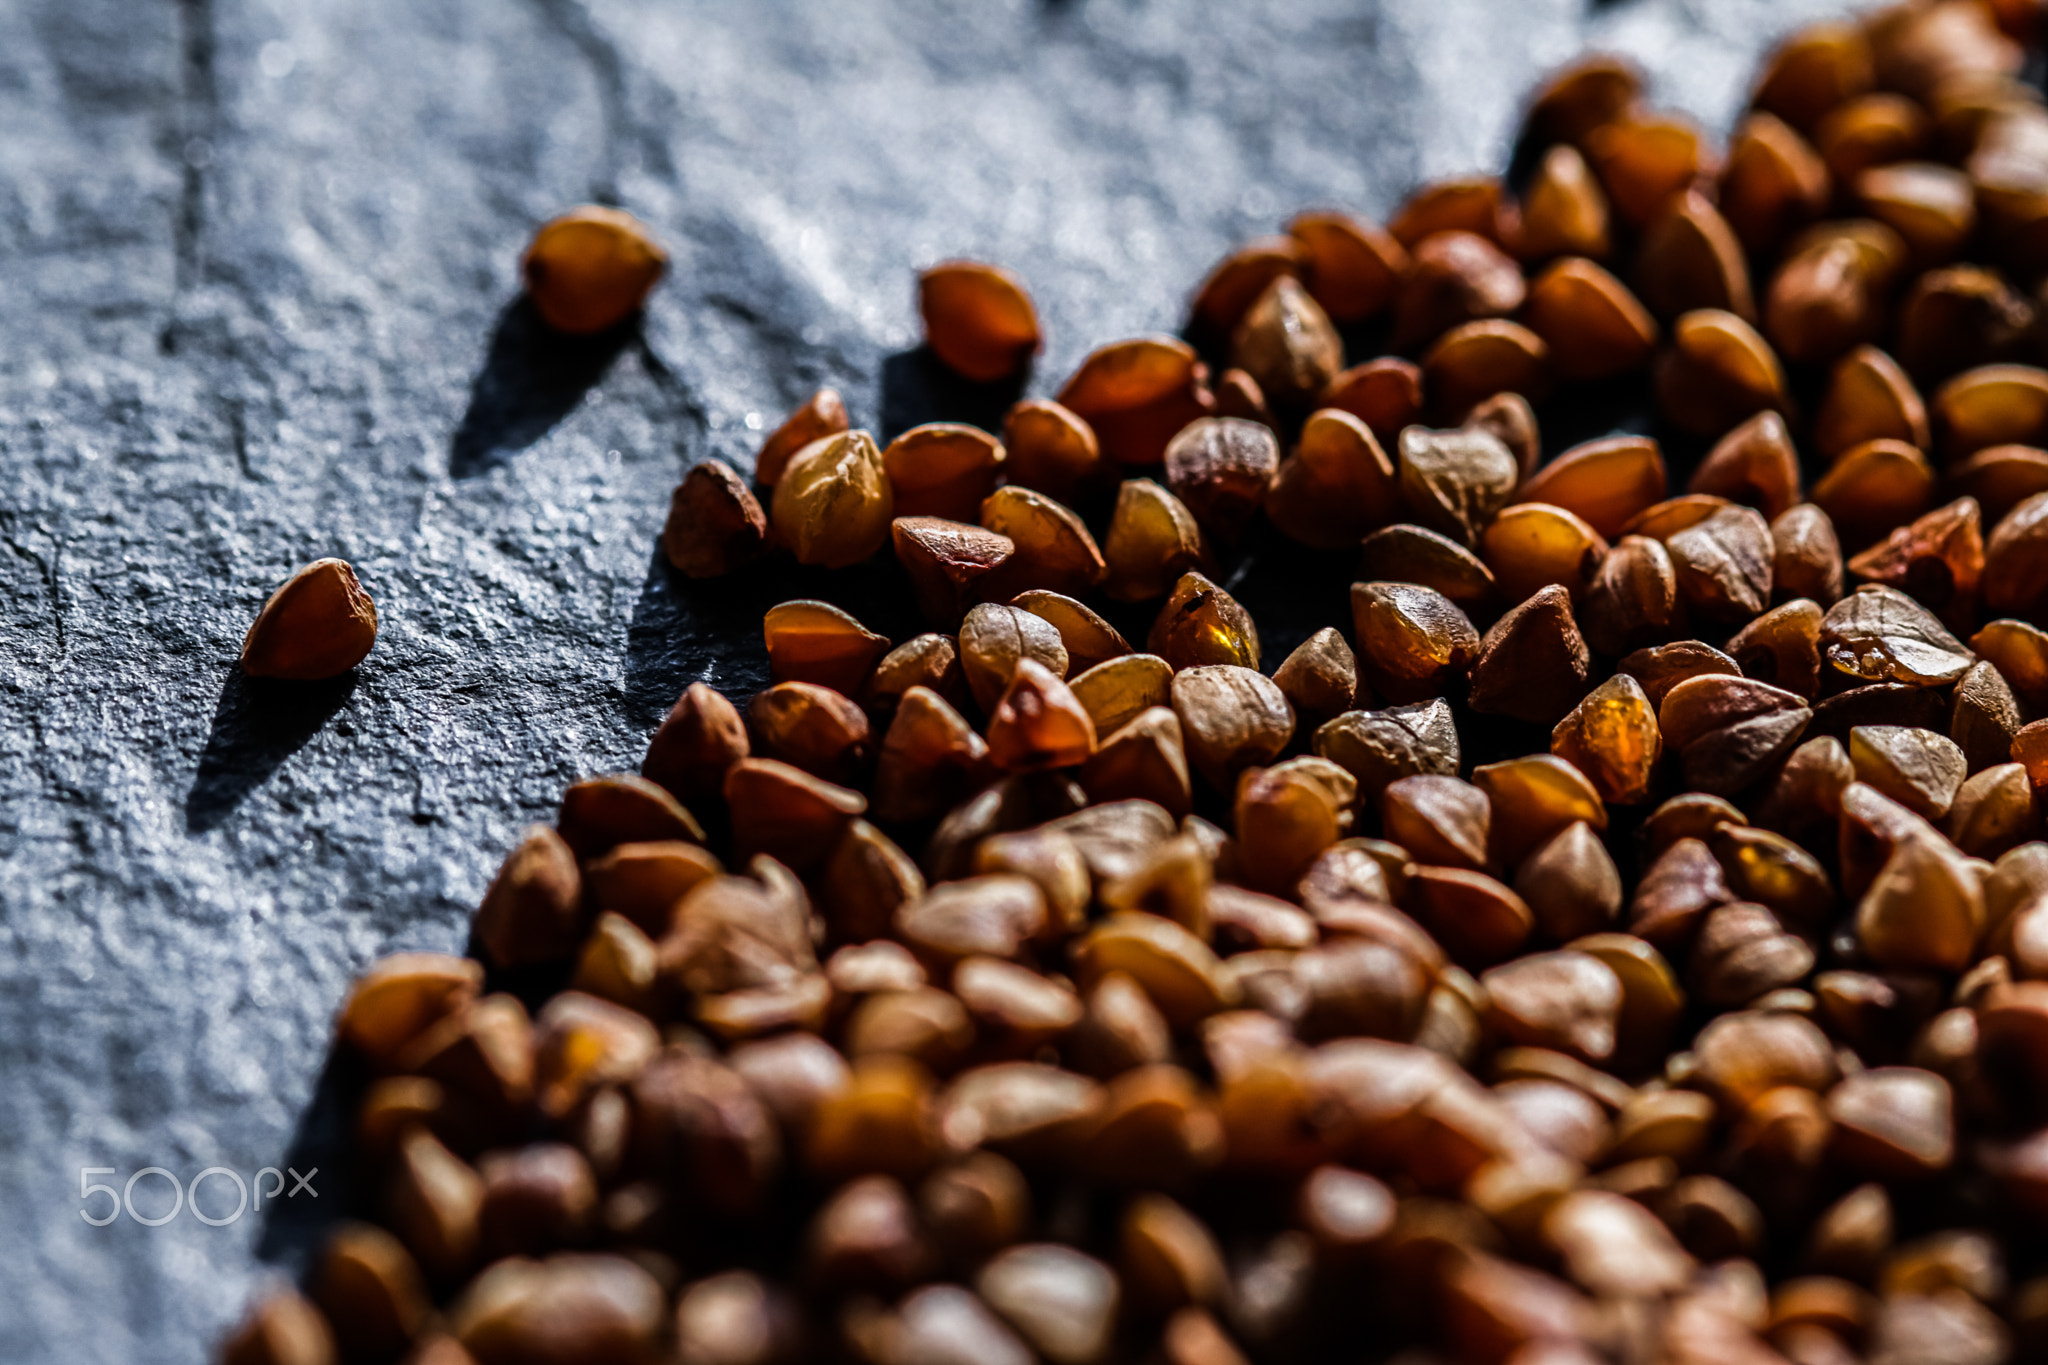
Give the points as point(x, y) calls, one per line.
point(1814, 70)
point(1633, 598)
point(930, 758)
point(1873, 487)
point(1287, 344)
point(1413, 554)
point(1287, 815)
point(1667, 518)
point(645, 882)
point(1881, 635)
point(1869, 398)
point(1050, 449)
point(833, 504)
point(811, 727)
point(1440, 820)
point(1471, 204)
point(1036, 723)
point(1571, 884)
point(1925, 908)
point(1663, 667)
point(1053, 550)
point(1992, 405)
point(1478, 360)
point(1136, 395)
point(942, 469)
point(1775, 182)
point(1231, 719)
point(1566, 1001)
point(1828, 296)
point(950, 564)
point(1691, 259)
point(1455, 481)
point(1454, 277)
point(1153, 539)
point(283, 1329)
point(318, 624)
point(978, 319)
point(880, 1122)
point(1782, 647)
point(1606, 481)
point(1319, 679)
point(929, 660)
point(1338, 484)
point(1477, 920)
point(1595, 328)
point(1378, 747)
point(1723, 564)
point(1533, 545)
point(1564, 212)
point(431, 1200)
point(1222, 300)
point(1893, 1122)
point(1644, 161)
point(715, 524)
point(817, 642)
point(1203, 624)
point(401, 996)
point(591, 269)
point(1533, 799)
point(1533, 664)
point(1238, 395)
point(1353, 267)
point(823, 414)
point(1412, 642)
point(1755, 464)
point(1171, 879)
point(2019, 650)
point(1916, 768)
point(1176, 970)
point(2000, 478)
point(993, 639)
point(1957, 319)
point(601, 812)
point(1385, 394)
point(1114, 691)
point(1089, 639)
point(1572, 102)
point(1717, 371)
point(1219, 468)
point(370, 1289)
point(1931, 206)
point(533, 911)
point(1806, 559)
point(2016, 560)
point(1938, 560)
point(1996, 810)
point(1509, 417)
point(785, 812)
point(1613, 738)
point(1870, 130)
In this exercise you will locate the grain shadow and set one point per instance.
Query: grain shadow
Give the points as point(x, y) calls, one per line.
point(532, 377)
point(258, 723)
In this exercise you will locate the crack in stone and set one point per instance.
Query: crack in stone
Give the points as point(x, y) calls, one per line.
point(572, 19)
point(199, 117)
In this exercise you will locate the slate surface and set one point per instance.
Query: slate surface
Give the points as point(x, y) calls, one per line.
point(257, 272)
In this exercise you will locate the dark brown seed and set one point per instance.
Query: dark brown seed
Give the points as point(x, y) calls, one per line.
point(1220, 467)
point(715, 524)
point(1633, 599)
point(1231, 719)
point(1532, 665)
point(1938, 560)
point(1691, 259)
point(1453, 277)
point(948, 564)
point(1754, 465)
point(1571, 884)
point(1723, 564)
point(1455, 481)
point(1379, 747)
point(1320, 679)
point(533, 911)
point(1782, 647)
point(1288, 345)
point(1664, 667)
point(1806, 559)
point(1413, 554)
point(1440, 820)
point(602, 812)
point(1986, 717)
point(701, 737)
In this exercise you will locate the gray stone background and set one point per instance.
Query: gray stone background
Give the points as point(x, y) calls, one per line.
point(257, 269)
